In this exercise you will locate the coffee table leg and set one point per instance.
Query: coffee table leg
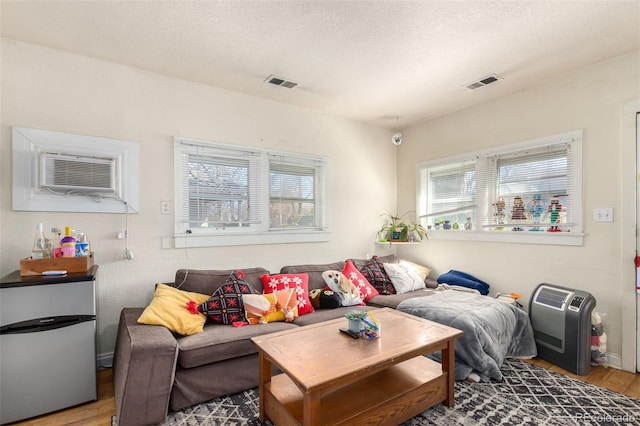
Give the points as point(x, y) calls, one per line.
point(265, 378)
point(311, 410)
point(448, 366)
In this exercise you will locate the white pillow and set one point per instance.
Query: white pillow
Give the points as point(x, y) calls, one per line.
point(403, 277)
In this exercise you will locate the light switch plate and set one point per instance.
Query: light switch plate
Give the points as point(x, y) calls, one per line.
point(165, 207)
point(603, 215)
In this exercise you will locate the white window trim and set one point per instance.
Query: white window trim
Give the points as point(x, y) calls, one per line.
point(560, 238)
point(250, 235)
point(28, 143)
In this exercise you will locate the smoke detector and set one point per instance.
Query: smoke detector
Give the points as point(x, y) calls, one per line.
point(277, 81)
point(484, 81)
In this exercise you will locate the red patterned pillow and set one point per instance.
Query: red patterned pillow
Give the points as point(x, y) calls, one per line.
point(300, 282)
point(374, 272)
point(367, 291)
point(225, 304)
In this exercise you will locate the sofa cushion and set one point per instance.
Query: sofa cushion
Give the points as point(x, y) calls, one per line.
point(314, 272)
point(324, 299)
point(360, 263)
point(298, 282)
point(225, 305)
point(208, 281)
point(169, 308)
point(405, 278)
point(221, 342)
point(367, 291)
point(280, 305)
point(375, 273)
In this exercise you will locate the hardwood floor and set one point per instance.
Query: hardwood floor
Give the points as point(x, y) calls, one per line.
point(99, 413)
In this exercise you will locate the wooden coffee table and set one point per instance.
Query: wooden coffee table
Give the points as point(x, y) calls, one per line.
point(332, 379)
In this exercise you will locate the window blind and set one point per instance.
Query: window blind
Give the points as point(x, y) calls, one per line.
point(531, 189)
point(220, 187)
point(297, 193)
point(451, 191)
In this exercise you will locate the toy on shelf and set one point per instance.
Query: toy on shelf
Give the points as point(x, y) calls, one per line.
point(499, 213)
point(598, 340)
point(554, 209)
point(536, 212)
point(517, 214)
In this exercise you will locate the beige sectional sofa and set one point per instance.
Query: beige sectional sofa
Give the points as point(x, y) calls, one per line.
point(155, 370)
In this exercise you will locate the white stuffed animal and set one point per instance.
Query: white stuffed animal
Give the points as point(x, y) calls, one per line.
point(343, 287)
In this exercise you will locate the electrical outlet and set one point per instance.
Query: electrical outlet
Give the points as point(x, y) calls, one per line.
point(165, 207)
point(603, 215)
point(122, 235)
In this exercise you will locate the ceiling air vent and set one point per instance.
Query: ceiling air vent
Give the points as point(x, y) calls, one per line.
point(484, 81)
point(280, 82)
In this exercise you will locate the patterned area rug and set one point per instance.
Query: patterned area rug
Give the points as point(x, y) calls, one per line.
point(529, 395)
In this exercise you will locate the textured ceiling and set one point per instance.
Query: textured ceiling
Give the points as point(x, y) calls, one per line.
point(385, 63)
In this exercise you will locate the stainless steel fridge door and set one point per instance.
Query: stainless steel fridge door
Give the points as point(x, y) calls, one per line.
point(49, 369)
point(46, 371)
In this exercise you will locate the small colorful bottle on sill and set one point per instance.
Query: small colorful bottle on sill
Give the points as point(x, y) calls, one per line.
point(68, 243)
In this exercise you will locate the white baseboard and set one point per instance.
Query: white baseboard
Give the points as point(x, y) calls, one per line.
point(105, 360)
point(614, 361)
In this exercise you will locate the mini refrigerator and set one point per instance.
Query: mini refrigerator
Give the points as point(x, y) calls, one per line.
point(47, 343)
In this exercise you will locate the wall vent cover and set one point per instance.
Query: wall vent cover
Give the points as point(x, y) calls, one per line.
point(280, 82)
point(484, 81)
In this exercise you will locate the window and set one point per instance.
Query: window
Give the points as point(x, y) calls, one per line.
point(233, 195)
point(527, 192)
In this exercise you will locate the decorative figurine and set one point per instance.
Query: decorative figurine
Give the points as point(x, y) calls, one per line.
point(554, 208)
point(467, 224)
point(517, 214)
point(536, 211)
point(499, 214)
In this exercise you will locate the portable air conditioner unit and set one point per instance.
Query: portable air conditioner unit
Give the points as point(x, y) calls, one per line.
point(561, 321)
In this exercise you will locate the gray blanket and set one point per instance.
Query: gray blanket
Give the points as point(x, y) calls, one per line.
point(493, 330)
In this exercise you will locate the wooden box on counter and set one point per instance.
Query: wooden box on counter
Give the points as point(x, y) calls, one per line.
point(31, 266)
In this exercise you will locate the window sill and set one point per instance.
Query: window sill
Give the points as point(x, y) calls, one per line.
point(524, 237)
point(237, 239)
point(394, 243)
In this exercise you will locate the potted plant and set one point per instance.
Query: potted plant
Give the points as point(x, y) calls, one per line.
point(398, 230)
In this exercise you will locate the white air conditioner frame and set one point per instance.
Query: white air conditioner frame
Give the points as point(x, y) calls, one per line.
point(30, 195)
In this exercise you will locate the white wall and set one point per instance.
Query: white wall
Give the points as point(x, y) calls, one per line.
point(54, 90)
point(593, 100)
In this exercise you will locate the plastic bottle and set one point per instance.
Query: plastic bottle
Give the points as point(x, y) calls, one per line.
point(40, 248)
point(68, 243)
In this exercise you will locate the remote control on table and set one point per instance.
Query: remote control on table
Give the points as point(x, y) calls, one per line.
point(350, 333)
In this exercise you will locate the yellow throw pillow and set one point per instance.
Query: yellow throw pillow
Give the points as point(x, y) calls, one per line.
point(169, 308)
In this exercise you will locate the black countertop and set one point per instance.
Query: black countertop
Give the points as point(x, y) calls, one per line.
point(14, 279)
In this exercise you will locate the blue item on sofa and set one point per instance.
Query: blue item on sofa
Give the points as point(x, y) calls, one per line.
point(465, 280)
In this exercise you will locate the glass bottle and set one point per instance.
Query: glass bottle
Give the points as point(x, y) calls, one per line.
point(56, 243)
point(40, 249)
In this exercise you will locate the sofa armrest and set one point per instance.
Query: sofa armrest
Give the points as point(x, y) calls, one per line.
point(144, 366)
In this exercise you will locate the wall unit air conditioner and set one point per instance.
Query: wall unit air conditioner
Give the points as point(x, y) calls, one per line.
point(78, 174)
point(66, 172)
point(561, 322)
